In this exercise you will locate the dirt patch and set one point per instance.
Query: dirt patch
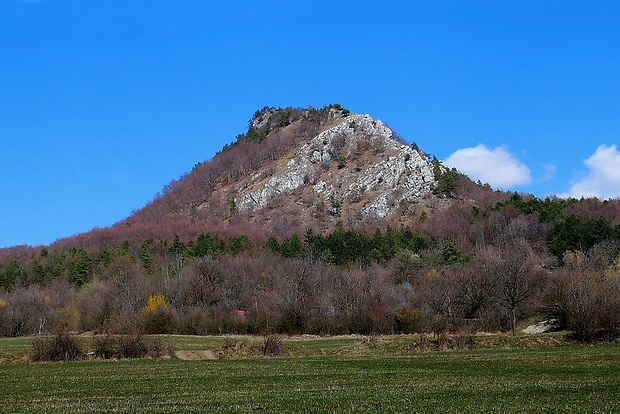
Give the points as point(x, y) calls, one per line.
point(540, 327)
point(195, 355)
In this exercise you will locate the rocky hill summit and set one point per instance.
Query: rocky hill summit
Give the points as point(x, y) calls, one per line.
point(355, 164)
point(351, 166)
point(297, 169)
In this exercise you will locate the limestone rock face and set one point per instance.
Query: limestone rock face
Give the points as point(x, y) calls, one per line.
point(356, 164)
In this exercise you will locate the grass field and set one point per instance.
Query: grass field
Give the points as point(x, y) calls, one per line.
point(325, 375)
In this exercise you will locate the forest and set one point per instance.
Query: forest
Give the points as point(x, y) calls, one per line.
point(465, 258)
point(527, 259)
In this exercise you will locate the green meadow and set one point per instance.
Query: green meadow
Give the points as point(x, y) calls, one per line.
point(324, 375)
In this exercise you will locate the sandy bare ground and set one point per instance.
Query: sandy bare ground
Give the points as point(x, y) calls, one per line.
point(540, 327)
point(195, 355)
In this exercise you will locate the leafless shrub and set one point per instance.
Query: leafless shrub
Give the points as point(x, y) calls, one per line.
point(465, 341)
point(105, 347)
point(234, 345)
point(272, 346)
point(446, 342)
point(372, 341)
point(61, 347)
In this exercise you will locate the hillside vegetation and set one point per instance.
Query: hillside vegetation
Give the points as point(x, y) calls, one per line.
point(369, 236)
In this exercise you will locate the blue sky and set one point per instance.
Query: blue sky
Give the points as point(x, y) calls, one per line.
point(103, 102)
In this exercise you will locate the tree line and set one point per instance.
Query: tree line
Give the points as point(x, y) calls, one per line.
point(518, 260)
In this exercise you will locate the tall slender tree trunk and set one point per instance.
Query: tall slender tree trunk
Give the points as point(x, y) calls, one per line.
point(514, 320)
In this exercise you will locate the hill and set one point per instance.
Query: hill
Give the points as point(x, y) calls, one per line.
point(298, 169)
point(301, 168)
point(324, 221)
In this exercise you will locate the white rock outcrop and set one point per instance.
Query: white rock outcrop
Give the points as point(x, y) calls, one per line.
point(356, 159)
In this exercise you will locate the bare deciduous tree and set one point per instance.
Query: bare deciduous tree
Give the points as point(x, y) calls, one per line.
point(516, 276)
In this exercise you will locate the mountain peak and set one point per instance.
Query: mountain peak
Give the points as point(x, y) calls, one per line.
point(297, 169)
point(354, 167)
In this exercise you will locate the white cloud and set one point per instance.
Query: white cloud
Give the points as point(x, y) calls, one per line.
point(497, 166)
point(603, 177)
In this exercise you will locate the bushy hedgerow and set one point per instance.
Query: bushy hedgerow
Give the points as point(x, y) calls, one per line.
point(62, 347)
point(129, 346)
